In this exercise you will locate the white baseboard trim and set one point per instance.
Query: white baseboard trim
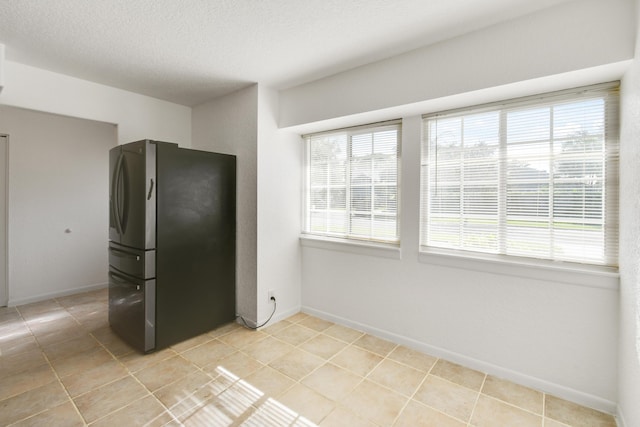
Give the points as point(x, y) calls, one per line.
point(558, 390)
point(60, 293)
point(278, 316)
point(620, 417)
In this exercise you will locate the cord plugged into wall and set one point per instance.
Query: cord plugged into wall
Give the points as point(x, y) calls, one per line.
point(272, 297)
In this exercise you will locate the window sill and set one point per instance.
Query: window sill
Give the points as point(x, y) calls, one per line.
point(351, 246)
point(554, 271)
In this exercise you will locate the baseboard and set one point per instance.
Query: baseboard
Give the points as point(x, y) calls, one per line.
point(61, 293)
point(620, 417)
point(278, 316)
point(572, 395)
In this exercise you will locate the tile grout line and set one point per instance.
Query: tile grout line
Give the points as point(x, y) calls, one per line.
point(475, 404)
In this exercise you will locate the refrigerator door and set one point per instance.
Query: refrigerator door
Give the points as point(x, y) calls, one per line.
point(132, 309)
point(132, 195)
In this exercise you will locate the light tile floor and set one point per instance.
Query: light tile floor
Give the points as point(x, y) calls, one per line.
point(60, 365)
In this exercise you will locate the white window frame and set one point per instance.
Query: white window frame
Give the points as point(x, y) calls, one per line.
point(514, 265)
point(388, 248)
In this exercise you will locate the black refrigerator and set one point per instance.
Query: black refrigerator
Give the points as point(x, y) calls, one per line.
point(172, 242)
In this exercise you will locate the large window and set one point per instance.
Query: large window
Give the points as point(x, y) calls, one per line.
point(535, 177)
point(352, 183)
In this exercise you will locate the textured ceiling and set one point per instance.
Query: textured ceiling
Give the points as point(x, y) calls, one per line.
point(190, 51)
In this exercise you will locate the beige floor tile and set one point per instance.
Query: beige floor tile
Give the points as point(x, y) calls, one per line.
point(237, 363)
point(297, 364)
point(109, 398)
point(375, 403)
point(62, 415)
point(420, 361)
point(191, 343)
point(332, 381)
point(445, 396)
point(297, 317)
point(16, 363)
point(52, 321)
point(135, 362)
point(240, 399)
point(201, 396)
point(242, 337)
point(512, 393)
point(574, 414)
point(315, 323)
point(295, 334)
point(81, 362)
point(417, 414)
point(70, 347)
point(31, 402)
point(458, 374)
point(490, 412)
point(17, 345)
point(26, 380)
point(399, 378)
point(29, 311)
point(275, 327)
point(138, 413)
point(341, 417)
point(165, 372)
point(323, 346)
point(269, 381)
point(84, 381)
point(375, 345)
point(177, 391)
point(209, 352)
point(357, 360)
point(271, 413)
point(307, 403)
point(268, 349)
point(60, 335)
point(9, 314)
point(224, 329)
point(548, 422)
point(343, 333)
point(210, 414)
point(112, 342)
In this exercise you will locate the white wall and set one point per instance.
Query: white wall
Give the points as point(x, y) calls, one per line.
point(543, 329)
point(229, 125)
point(279, 177)
point(558, 40)
point(629, 352)
point(135, 116)
point(58, 180)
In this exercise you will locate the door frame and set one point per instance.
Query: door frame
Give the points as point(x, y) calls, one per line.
point(4, 281)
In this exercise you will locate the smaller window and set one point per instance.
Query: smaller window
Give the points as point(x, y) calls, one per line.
point(352, 183)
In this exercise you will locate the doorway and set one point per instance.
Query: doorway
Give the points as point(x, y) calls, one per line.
point(4, 178)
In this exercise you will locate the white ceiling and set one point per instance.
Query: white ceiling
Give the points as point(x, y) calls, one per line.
point(191, 51)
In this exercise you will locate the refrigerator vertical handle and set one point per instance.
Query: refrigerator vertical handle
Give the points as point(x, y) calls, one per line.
point(116, 193)
point(150, 189)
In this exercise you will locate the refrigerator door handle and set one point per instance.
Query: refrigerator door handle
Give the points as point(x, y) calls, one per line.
point(119, 171)
point(115, 191)
point(125, 195)
point(124, 254)
point(150, 189)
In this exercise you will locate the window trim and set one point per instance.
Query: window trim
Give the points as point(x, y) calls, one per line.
point(448, 256)
point(308, 235)
point(584, 275)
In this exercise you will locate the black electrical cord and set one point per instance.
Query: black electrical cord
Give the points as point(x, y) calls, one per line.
point(267, 321)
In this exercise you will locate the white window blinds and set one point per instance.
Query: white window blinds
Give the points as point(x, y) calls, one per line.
point(352, 183)
point(534, 177)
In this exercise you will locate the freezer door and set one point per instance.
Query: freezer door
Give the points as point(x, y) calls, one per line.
point(132, 309)
point(134, 262)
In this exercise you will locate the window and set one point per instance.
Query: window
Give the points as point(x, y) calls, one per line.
point(352, 183)
point(534, 177)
